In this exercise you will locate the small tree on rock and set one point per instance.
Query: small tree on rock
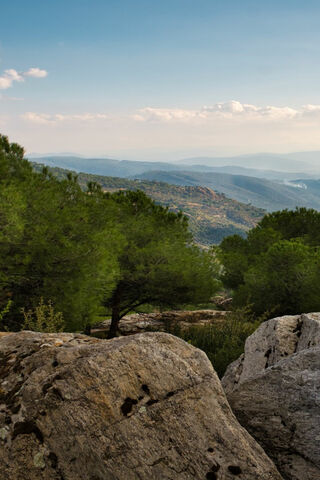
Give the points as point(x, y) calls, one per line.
point(158, 263)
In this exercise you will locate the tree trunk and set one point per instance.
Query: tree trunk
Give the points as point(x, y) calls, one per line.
point(115, 319)
point(87, 329)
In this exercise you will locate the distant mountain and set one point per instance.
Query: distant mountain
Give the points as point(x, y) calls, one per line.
point(129, 168)
point(310, 185)
point(306, 162)
point(212, 216)
point(312, 157)
point(250, 172)
point(267, 189)
point(292, 162)
point(256, 191)
point(103, 166)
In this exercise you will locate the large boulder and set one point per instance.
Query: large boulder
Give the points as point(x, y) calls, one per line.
point(274, 390)
point(147, 406)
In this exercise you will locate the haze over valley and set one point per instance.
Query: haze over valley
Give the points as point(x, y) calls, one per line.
point(260, 187)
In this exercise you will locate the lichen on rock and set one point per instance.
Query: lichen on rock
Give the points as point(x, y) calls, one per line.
point(147, 406)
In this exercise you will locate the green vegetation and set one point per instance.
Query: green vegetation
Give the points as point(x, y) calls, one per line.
point(223, 342)
point(159, 265)
point(4, 312)
point(277, 267)
point(263, 193)
point(212, 216)
point(50, 242)
point(73, 251)
point(88, 252)
point(43, 318)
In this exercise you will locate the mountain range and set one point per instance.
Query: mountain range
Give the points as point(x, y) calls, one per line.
point(261, 164)
point(264, 188)
point(260, 192)
point(290, 162)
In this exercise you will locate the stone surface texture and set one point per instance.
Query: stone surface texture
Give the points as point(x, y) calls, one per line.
point(274, 390)
point(147, 406)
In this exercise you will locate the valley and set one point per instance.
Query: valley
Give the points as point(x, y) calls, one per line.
point(264, 188)
point(212, 216)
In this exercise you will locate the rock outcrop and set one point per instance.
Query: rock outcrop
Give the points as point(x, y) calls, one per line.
point(274, 390)
point(164, 321)
point(147, 406)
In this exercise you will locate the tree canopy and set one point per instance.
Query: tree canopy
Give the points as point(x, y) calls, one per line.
point(51, 244)
point(158, 264)
point(277, 268)
point(88, 253)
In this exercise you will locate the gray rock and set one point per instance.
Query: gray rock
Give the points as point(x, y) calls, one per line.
point(148, 406)
point(274, 390)
point(164, 321)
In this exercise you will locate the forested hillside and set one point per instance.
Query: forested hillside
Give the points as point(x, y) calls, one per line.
point(212, 216)
point(69, 254)
point(260, 192)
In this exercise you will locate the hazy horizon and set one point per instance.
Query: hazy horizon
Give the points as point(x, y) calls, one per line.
point(301, 160)
point(161, 81)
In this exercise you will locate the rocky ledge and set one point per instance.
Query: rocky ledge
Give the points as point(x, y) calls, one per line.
point(148, 406)
point(274, 390)
point(140, 322)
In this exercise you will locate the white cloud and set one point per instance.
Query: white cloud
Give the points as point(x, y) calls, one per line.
point(172, 133)
point(13, 75)
point(311, 109)
point(10, 76)
point(277, 113)
point(231, 107)
point(228, 110)
point(40, 118)
point(232, 112)
point(35, 73)
point(53, 119)
point(166, 114)
point(87, 116)
point(224, 128)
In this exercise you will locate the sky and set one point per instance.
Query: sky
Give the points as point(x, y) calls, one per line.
point(160, 80)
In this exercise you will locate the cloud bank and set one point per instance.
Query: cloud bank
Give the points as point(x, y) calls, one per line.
point(10, 76)
point(206, 115)
point(224, 128)
point(47, 119)
point(225, 110)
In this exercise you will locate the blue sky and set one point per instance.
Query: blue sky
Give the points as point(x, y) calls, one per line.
point(133, 77)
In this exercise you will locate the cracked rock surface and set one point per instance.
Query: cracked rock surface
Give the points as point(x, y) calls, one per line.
point(148, 406)
point(274, 390)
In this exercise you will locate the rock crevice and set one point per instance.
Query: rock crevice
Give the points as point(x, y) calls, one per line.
point(274, 391)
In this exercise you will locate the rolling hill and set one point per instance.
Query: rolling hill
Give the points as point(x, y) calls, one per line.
point(311, 185)
point(212, 216)
point(289, 162)
point(103, 166)
point(260, 192)
point(267, 189)
point(130, 168)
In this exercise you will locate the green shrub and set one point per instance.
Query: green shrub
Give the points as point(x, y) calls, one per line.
point(277, 266)
point(43, 318)
point(223, 342)
point(3, 314)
